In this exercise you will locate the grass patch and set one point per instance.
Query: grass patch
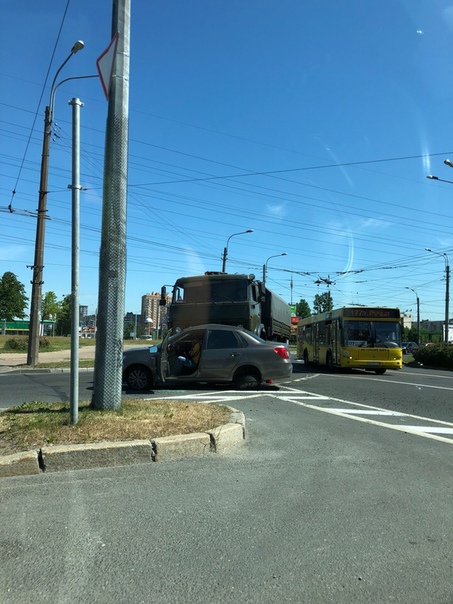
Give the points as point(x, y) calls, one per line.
point(54, 343)
point(35, 425)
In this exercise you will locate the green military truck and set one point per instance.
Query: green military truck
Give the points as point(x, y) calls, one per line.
point(229, 300)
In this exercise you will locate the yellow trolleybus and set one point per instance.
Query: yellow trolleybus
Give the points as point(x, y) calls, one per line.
point(352, 337)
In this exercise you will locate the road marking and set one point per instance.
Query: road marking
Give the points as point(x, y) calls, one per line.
point(306, 378)
point(368, 412)
point(355, 414)
point(350, 410)
point(431, 429)
point(381, 379)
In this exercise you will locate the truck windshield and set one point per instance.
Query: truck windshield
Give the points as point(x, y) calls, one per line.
point(211, 291)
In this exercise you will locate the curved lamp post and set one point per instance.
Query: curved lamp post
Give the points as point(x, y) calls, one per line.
point(418, 313)
point(447, 288)
point(36, 293)
point(225, 249)
point(265, 264)
point(432, 177)
point(448, 163)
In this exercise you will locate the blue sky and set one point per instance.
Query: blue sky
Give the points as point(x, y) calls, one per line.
point(312, 123)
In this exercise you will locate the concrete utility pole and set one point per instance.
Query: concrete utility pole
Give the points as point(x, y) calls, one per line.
point(418, 313)
point(38, 265)
point(447, 287)
point(112, 262)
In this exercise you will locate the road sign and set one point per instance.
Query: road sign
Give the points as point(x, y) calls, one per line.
point(105, 64)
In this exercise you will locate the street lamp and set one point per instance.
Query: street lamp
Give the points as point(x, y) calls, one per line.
point(265, 265)
point(448, 163)
point(447, 288)
point(432, 177)
point(418, 314)
point(38, 266)
point(225, 249)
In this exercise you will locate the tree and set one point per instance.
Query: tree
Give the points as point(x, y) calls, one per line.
point(303, 309)
point(322, 303)
point(13, 300)
point(64, 316)
point(49, 306)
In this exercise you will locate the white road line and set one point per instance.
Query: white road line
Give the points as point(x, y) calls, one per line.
point(357, 413)
point(359, 377)
point(368, 412)
point(430, 429)
point(346, 414)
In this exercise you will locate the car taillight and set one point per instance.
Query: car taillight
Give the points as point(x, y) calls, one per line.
point(282, 351)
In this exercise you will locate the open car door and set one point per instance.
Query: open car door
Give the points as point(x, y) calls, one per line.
point(162, 358)
point(179, 345)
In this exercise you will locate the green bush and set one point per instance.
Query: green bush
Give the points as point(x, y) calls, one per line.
point(44, 342)
point(20, 344)
point(439, 355)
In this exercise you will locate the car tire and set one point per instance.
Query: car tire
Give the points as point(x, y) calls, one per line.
point(245, 381)
point(138, 377)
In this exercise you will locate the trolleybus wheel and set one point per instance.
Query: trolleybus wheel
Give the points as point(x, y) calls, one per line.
point(329, 361)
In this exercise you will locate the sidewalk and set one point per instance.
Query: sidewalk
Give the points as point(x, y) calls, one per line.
point(12, 359)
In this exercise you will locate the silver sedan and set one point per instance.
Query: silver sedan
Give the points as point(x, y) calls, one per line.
point(228, 354)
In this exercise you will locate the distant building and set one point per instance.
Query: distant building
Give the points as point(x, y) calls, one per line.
point(406, 320)
point(153, 313)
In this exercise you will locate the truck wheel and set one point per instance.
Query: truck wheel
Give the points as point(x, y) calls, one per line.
point(138, 377)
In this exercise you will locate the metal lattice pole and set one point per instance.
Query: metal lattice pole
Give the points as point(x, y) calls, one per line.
point(112, 263)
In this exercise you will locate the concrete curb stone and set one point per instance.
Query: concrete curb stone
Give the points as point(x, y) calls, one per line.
point(220, 440)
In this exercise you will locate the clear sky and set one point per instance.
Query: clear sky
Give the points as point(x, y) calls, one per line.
point(312, 123)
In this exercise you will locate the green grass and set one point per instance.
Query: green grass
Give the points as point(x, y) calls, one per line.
point(55, 343)
point(38, 424)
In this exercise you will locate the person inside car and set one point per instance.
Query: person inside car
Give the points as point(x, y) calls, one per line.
point(190, 359)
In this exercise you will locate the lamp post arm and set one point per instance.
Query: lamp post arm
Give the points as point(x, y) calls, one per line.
point(225, 249)
point(55, 88)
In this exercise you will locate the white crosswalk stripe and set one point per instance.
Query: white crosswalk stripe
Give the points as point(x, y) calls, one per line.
point(394, 420)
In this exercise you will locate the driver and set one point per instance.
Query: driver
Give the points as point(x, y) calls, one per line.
point(191, 358)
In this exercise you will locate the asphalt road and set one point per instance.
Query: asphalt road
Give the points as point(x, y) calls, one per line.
point(342, 495)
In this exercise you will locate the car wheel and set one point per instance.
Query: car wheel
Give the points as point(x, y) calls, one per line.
point(139, 378)
point(242, 382)
point(380, 371)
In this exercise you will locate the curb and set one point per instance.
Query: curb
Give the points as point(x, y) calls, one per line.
point(7, 369)
point(220, 440)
